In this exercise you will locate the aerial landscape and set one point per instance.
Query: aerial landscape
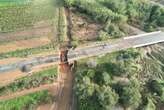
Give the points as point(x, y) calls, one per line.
point(81, 54)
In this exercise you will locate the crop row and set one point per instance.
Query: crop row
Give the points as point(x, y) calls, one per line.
point(27, 52)
point(62, 25)
point(43, 77)
point(27, 102)
point(19, 17)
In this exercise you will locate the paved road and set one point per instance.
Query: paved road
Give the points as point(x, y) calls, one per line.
point(129, 42)
point(103, 48)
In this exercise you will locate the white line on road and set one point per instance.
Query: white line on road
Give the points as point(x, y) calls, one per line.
point(141, 45)
point(141, 35)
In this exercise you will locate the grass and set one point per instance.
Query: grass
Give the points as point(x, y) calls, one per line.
point(43, 77)
point(62, 25)
point(27, 102)
point(4, 3)
point(27, 52)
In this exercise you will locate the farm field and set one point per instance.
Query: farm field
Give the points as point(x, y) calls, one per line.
point(31, 101)
point(32, 31)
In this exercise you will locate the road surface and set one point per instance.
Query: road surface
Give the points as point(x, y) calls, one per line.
point(102, 48)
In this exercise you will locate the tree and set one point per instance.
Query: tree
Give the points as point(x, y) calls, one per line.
point(155, 13)
point(129, 94)
point(113, 30)
point(84, 88)
point(148, 104)
point(107, 97)
point(157, 87)
point(69, 2)
point(91, 73)
point(103, 35)
point(118, 6)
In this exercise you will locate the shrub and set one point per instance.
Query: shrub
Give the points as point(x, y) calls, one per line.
point(118, 6)
point(114, 30)
point(129, 94)
point(103, 35)
point(157, 88)
point(107, 98)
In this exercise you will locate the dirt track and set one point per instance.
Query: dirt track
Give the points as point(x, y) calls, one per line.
point(64, 101)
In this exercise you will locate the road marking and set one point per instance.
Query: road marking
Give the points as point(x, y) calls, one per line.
point(141, 45)
point(141, 35)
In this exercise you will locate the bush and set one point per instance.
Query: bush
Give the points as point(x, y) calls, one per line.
point(148, 104)
point(157, 88)
point(129, 94)
point(103, 35)
point(114, 30)
point(118, 6)
point(107, 98)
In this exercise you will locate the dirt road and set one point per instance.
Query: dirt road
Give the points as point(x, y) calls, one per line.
point(64, 101)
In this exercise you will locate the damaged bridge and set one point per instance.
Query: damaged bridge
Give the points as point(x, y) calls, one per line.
point(89, 51)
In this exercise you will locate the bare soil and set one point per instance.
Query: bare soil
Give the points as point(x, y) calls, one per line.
point(44, 107)
point(131, 30)
point(35, 32)
point(17, 45)
point(84, 29)
point(6, 78)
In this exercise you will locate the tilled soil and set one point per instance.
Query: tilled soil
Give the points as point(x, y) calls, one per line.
point(84, 29)
point(35, 32)
point(18, 45)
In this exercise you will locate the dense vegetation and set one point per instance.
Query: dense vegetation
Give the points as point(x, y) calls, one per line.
point(43, 77)
point(27, 102)
point(112, 80)
point(26, 52)
point(117, 13)
point(20, 17)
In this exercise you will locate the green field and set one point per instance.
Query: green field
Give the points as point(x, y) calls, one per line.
point(13, 2)
point(46, 76)
point(27, 52)
point(27, 102)
point(20, 17)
